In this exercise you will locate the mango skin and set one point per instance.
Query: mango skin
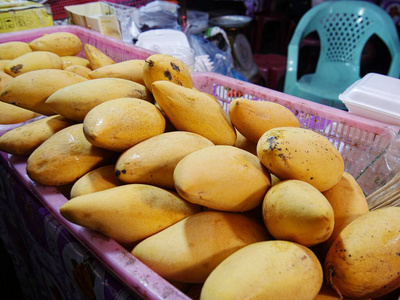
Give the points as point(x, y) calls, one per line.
point(129, 69)
point(296, 211)
point(253, 118)
point(121, 123)
point(96, 180)
point(13, 49)
point(65, 157)
point(128, 213)
point(348, 202)
point(364, 260)
point(60, 43)
point(12, 114)
point(166, 68)
point(222, 177)
point(189, 109)
point(23, 140)
point(96, 57)
point(75, 101)
point(35, 60)
point(189, 250)
point(32, 89)
point(266, 270)
point(153, 161)
point(302, 154)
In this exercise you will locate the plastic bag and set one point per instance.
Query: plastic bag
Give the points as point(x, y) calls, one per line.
point(157, 15)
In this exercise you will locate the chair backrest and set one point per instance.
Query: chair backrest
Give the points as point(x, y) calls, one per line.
point(343, 27)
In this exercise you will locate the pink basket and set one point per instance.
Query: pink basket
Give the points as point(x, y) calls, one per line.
point(351, 134)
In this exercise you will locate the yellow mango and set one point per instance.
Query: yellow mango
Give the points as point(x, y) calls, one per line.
point(13, 49)
point(364, 259)
point(121, 123)
point(266, 270)
point(191, 110)
point(64, 157)
point(96, 57)
point(153, 161)
point(23, 140)
point(4, 79)
point(130, 69)
point(128, 213)
point(31, 90)
point(3, 62)
point(223, 178)
point(31, 61)
point(75, 101)
point(60, 43)
point(80, 70)
point(294, 210)
point(298, 153)
point(253, 118)
point(96, 180)
point(190, 249)
point(348, 202)
point(167, 68)
point(73, 60)
point(12, 114)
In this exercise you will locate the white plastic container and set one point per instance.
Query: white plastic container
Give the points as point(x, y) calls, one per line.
point(374, 96)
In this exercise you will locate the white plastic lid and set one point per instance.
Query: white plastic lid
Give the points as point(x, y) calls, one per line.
point(375, 96)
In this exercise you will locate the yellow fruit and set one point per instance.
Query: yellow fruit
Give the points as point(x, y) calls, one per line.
point(4, 79)
point(253, 118)
point(298, 153)
point(348, 202)
point(65, 157)
point(294, 210)
point(96, 57)
point(31, 90)
point(61, 43)
point(31, 61)
point(194, 111)
point(153, 161)
point(223, 178)
point(11, 50)
point(167, 68)
point(71, 60)
point(12, 114)
point(128, 213)
point(364, 260)
point(121, 123)
point(80, 70)
point(75, 101)
point(99, 179)
point(266, 270)
point(243, 143)
point(23, 140)
point(3, 62)
point(190, 249)
point(129, 69)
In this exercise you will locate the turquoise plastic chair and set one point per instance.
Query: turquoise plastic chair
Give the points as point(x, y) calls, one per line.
point(343, 27)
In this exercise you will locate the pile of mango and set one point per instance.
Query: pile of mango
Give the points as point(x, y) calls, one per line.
point(238, 204)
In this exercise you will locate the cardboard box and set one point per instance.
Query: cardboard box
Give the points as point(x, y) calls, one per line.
point(16, 16)
point(98, 16)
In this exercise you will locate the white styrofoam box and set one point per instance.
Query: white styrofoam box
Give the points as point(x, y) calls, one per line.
point(374, 96)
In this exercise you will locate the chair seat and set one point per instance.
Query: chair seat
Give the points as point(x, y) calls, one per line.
point(272, 67)
point(317, 89)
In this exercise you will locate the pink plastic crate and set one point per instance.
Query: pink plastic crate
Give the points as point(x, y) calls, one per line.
point(351, 134)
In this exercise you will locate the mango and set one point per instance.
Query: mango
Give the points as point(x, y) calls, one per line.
point(96, 57)
point(153, 161)
point(128, 213)
point(222, 177)
point(364, 259)
point(302, 154)
point(64, 157)
point(13, 49)
point(266, 270)
point(190, 110)
point(253, 118)
point(12, 114)
point(191, 249)
point(60, 43)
